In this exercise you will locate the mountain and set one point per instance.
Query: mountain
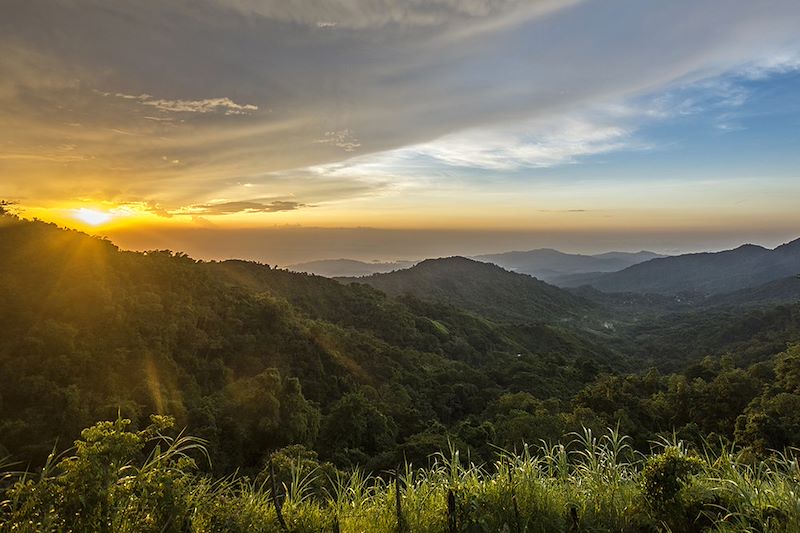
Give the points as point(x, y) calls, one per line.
point(483, 288)
point(255, 358)
point(704, 273)
point(333, 268)
point(549, 265)
point(546, 264)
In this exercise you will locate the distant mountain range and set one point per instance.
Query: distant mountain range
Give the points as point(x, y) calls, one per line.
point(483, 288)
point(702, 273)
point(333, 268)
point(546, 264)
point(551, 265)
point(752, 274)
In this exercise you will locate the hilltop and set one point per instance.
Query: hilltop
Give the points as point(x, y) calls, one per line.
point(483, 288)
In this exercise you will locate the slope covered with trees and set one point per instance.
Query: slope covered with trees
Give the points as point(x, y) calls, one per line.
point(483, 288)
point(265, 363)
point(251, 357)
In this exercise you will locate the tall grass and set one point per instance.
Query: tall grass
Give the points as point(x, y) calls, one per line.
point(118, 480)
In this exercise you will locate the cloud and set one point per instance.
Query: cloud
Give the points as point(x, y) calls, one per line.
point(430, 88)
point(781, 62)
point(197, 212)
point(229, 208)
point(536, 147)
point(379, 13)
point(343, 139)
point(509, 148)
point(207, 105)
point(156, 209)
point(61, 153)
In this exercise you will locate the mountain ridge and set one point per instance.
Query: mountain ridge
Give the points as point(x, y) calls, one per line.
point(708, 273)
point(484, 288)
point(544, 263)
point(549, 264)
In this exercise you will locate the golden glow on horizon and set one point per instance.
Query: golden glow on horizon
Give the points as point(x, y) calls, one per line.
point(589, 207)
point(421, 217)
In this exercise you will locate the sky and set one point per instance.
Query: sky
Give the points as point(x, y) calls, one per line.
point(288, 130)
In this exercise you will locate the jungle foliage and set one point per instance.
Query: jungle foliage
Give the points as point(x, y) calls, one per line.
point(280, 375)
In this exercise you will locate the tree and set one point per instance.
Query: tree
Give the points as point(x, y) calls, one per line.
point(6, 207)
point(355, 423)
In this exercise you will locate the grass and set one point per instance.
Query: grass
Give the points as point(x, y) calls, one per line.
point(119, 480)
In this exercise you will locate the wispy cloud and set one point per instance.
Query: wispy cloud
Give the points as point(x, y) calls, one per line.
point(539, 146)
point(62, 153)
point(379, 13)
point(229, 208)
point(533, 145)
point(779, 62)
point(211, 208)
point(208, 105)
point(343, 139)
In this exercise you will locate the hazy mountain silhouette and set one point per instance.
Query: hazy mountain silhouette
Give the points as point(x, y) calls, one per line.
point(332, 268)
point(550, 265)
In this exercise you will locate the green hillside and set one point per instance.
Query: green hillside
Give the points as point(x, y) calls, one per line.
point(483, 288)
point(265, 365)
point(250, 357)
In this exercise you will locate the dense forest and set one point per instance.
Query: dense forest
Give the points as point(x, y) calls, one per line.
point(271, 367)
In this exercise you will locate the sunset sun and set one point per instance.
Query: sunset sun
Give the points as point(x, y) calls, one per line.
point(93, 217)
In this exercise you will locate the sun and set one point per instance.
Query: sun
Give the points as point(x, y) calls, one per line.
point(93, 217)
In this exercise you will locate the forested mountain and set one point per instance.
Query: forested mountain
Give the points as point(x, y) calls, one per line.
point(333, 268)
point(483, 288)
point(254, 359)
point(251, 357)
point(704, 273)
point(551, 265)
